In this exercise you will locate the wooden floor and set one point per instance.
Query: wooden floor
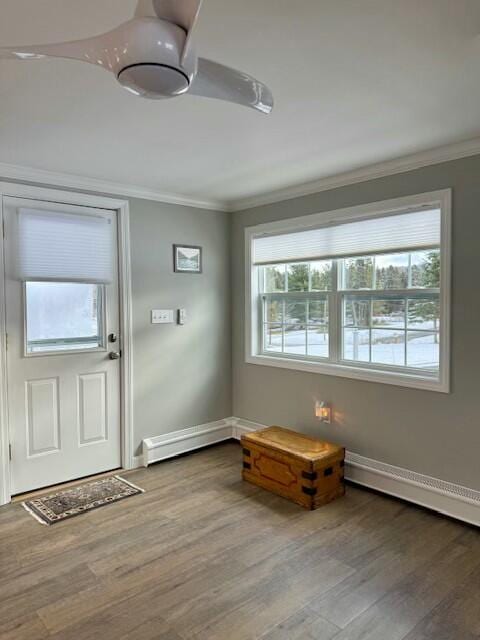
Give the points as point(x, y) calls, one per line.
point(203, 556)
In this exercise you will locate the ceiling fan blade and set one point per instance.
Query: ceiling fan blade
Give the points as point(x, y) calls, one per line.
point(20, 53)
point(183, 13)
point(214, 80)
point(90, 50)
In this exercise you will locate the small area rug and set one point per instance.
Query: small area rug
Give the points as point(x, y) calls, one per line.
point(74, 501)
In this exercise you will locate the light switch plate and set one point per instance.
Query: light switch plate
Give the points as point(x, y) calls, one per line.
point(162, 316)
point(182, 316)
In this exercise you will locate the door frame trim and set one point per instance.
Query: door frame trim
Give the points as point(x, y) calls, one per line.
point(126, 323)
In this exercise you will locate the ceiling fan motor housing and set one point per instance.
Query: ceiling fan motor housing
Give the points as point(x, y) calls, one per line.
point(146, 55)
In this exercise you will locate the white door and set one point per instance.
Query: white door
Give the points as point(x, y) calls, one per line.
point(62, 375)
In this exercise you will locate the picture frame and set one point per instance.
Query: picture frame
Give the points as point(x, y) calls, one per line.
point(187, 258)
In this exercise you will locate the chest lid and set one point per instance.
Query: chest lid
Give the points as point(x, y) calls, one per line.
point(295, 444)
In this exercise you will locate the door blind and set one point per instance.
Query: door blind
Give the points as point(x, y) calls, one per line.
point(64, 247)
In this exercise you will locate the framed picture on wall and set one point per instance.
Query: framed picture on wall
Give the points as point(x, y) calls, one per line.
point(187, 258)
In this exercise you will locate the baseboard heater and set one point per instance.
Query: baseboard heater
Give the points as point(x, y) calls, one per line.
point(444, 497)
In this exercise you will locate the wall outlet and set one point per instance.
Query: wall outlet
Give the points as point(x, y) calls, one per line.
point(182, 316)
point(162, 316)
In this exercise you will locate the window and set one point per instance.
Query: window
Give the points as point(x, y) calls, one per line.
point(64, 261)
point(63, 317)
point(358, 293)
point(295, 308)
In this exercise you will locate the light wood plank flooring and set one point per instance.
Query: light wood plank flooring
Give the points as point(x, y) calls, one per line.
point(203, 556)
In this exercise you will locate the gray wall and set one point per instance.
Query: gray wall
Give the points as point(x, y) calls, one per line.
point(182, 375)
point(424, 431)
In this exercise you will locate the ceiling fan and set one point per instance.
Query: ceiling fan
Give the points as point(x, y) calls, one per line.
point(153, 56)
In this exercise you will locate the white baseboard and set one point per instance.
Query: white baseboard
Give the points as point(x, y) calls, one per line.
point(173, 444)
point(444, 497)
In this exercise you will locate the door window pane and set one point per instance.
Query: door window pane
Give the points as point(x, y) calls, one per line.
point(63, 316)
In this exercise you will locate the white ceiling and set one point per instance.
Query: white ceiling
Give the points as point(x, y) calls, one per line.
point(356, 82)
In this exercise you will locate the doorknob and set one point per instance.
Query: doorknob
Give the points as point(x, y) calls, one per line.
point(114, 355)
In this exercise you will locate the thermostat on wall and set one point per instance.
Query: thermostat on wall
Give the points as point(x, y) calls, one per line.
point(182, 316)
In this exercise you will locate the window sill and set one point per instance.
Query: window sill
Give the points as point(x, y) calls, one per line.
point(358, 373)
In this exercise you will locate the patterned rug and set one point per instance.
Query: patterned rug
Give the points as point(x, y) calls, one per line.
point(80, 499)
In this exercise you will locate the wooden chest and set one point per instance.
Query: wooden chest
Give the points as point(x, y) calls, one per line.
point(306, 470)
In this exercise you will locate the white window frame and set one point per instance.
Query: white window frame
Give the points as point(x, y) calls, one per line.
point(382, 373)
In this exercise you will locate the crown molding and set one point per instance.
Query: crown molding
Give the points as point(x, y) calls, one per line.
point(371, 172)
point(69, 181)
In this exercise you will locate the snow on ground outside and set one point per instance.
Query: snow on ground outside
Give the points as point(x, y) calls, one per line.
point(422, 351)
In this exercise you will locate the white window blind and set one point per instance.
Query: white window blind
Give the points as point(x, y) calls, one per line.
point(64, 247)
point(375, 235)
